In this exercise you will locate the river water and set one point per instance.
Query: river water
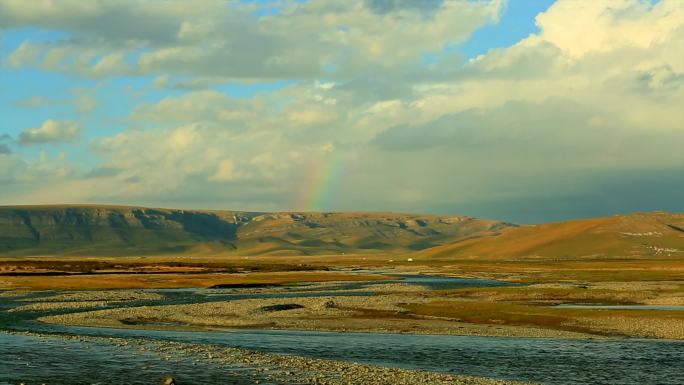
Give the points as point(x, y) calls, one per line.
point(57, 361)
point(543, 360)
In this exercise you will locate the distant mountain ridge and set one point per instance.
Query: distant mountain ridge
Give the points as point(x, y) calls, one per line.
point(122, 230)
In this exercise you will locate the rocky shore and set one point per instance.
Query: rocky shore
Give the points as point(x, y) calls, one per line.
point(100, 296)
point(391, 307)
point(85, 300)
point(270, 368)
point(377, 313)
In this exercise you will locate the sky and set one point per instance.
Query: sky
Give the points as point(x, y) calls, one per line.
point(521, 110)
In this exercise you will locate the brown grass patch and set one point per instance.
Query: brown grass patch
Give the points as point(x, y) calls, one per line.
point(502, 313)
point(167, 281)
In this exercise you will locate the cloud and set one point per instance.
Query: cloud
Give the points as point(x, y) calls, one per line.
point(588, 105)
point(512, 124)
point(226, 172)
point(82, 102)
point(51, 131)
point(224, 40)
point(552, 136)
point(387, 6)
point(603, 26)
point(36, 102)
point(102, 18)
point(198, 106)
point(4, 147)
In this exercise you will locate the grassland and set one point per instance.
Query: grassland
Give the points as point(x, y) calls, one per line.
point(640, 234)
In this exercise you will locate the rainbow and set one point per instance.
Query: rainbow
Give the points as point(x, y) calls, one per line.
point(321, 183)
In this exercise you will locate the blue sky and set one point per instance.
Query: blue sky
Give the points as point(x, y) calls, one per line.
point(517, 22)
point(238, 107)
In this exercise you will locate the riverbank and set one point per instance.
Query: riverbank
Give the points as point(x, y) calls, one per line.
point(278, 368)
point(370, 301)
point(377, 313)
point(372, 306)
point(408, 323)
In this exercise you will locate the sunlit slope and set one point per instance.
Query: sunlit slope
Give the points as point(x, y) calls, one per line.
point(640, 234)
point(334, 233)
point(110, 230)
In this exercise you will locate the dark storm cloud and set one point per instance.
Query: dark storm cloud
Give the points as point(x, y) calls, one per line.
point(604, 193)
point(513, 124)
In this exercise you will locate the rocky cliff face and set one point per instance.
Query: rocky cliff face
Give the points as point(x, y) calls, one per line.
point(100, 230)
point(65, 228)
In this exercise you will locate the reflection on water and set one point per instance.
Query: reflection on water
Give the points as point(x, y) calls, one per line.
point(435, 282)
point(431, 282)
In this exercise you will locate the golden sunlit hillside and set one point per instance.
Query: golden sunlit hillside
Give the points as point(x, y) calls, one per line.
point(635, 235)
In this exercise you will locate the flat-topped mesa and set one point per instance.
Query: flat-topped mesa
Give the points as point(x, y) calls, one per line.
point(121, 230)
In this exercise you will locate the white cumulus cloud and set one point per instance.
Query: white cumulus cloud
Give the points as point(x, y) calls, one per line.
point(51, 131)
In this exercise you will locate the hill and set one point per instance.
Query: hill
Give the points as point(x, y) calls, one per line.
point(642, 234)
point(119, 230)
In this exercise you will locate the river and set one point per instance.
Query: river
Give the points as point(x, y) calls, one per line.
point(548, 361)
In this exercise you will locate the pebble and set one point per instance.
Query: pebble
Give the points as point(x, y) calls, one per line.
point(285, 368)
